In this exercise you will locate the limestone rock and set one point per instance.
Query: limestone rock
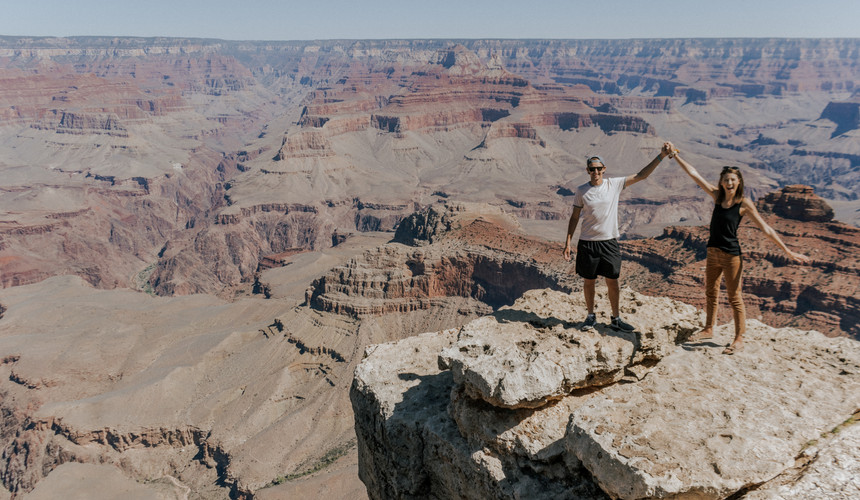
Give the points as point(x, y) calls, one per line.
point(699, 425)
point(396, 387)
point(534, 351)
point(827, 471)
point(710, 425)
point(409, 447)
point(533, 433)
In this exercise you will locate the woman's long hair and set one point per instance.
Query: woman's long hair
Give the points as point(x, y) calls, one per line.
point(739, 192)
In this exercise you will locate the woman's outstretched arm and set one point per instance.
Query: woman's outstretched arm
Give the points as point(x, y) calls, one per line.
point(694, 174)
point(748, 208)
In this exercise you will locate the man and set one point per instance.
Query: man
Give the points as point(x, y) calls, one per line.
point(598, 252)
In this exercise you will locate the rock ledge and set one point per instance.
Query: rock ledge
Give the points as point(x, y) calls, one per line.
point(520, 404)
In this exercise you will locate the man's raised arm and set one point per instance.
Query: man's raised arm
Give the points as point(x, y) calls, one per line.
point(645, 172)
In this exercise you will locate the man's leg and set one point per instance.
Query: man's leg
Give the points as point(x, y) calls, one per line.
point(586, 265)
point(588, 291)
point(614, 293)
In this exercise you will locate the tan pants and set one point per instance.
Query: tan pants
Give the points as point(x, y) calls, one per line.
point(721, 263)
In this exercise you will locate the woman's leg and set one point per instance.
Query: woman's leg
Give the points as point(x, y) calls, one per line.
point(713, 270)
point(733, 270)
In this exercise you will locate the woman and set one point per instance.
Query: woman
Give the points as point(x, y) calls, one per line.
point(724, 251)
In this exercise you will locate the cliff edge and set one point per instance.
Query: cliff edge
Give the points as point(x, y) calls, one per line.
point(522, 404)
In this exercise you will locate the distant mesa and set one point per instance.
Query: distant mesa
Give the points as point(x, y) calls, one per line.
point(845, 114)
point(797, 202)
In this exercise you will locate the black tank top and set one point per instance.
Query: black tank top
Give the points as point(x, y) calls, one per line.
point(724, 228)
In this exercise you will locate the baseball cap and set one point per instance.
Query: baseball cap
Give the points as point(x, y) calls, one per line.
point(593, 158)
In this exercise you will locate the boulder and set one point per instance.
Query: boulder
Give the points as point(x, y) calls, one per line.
point(710, 425)
point(774, 420)
point(533, 352)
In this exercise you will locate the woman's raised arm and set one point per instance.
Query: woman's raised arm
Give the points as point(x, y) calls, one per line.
point(748, 208)
point(694, 174)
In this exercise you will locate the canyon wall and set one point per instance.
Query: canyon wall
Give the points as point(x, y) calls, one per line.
point(249, 170)
point(475, 251)
point(344, 129)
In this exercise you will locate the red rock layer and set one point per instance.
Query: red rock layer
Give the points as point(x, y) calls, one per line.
point(456, 89)
point(492, 264)
point(399, 279)
point(69, 102)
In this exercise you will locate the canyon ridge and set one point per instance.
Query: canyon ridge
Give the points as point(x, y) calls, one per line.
point(199, 239)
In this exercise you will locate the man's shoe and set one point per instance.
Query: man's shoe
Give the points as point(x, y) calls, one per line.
point(620, 324)
point(588, 324)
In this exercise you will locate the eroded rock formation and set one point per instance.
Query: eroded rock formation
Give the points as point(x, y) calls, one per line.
point(694, 423)
point(475, 251)
point(797, 202)
point(464, 250)
point(369, 131)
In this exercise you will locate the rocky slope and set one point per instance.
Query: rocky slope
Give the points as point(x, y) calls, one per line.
point(522, 404)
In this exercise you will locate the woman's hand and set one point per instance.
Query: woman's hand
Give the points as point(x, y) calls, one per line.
point(799, 257)
point(667, 149)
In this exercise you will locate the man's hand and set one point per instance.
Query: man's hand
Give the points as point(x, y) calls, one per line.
point(667, 149)
point(566, 252)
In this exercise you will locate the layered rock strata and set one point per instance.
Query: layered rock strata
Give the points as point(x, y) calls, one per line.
point(696, 423)
point(389, 123)
point(477, 252)
point(464, 250)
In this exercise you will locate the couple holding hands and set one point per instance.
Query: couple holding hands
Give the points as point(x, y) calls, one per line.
point(595, 209)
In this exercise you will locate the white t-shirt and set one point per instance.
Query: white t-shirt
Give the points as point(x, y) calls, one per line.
point(599, 215)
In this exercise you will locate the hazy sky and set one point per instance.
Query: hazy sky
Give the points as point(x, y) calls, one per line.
point(371, 19)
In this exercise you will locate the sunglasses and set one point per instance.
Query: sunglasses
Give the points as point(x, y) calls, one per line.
point(594, 169)
point(731, 169)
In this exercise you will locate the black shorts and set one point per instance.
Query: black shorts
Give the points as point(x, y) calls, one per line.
point(598, 258)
